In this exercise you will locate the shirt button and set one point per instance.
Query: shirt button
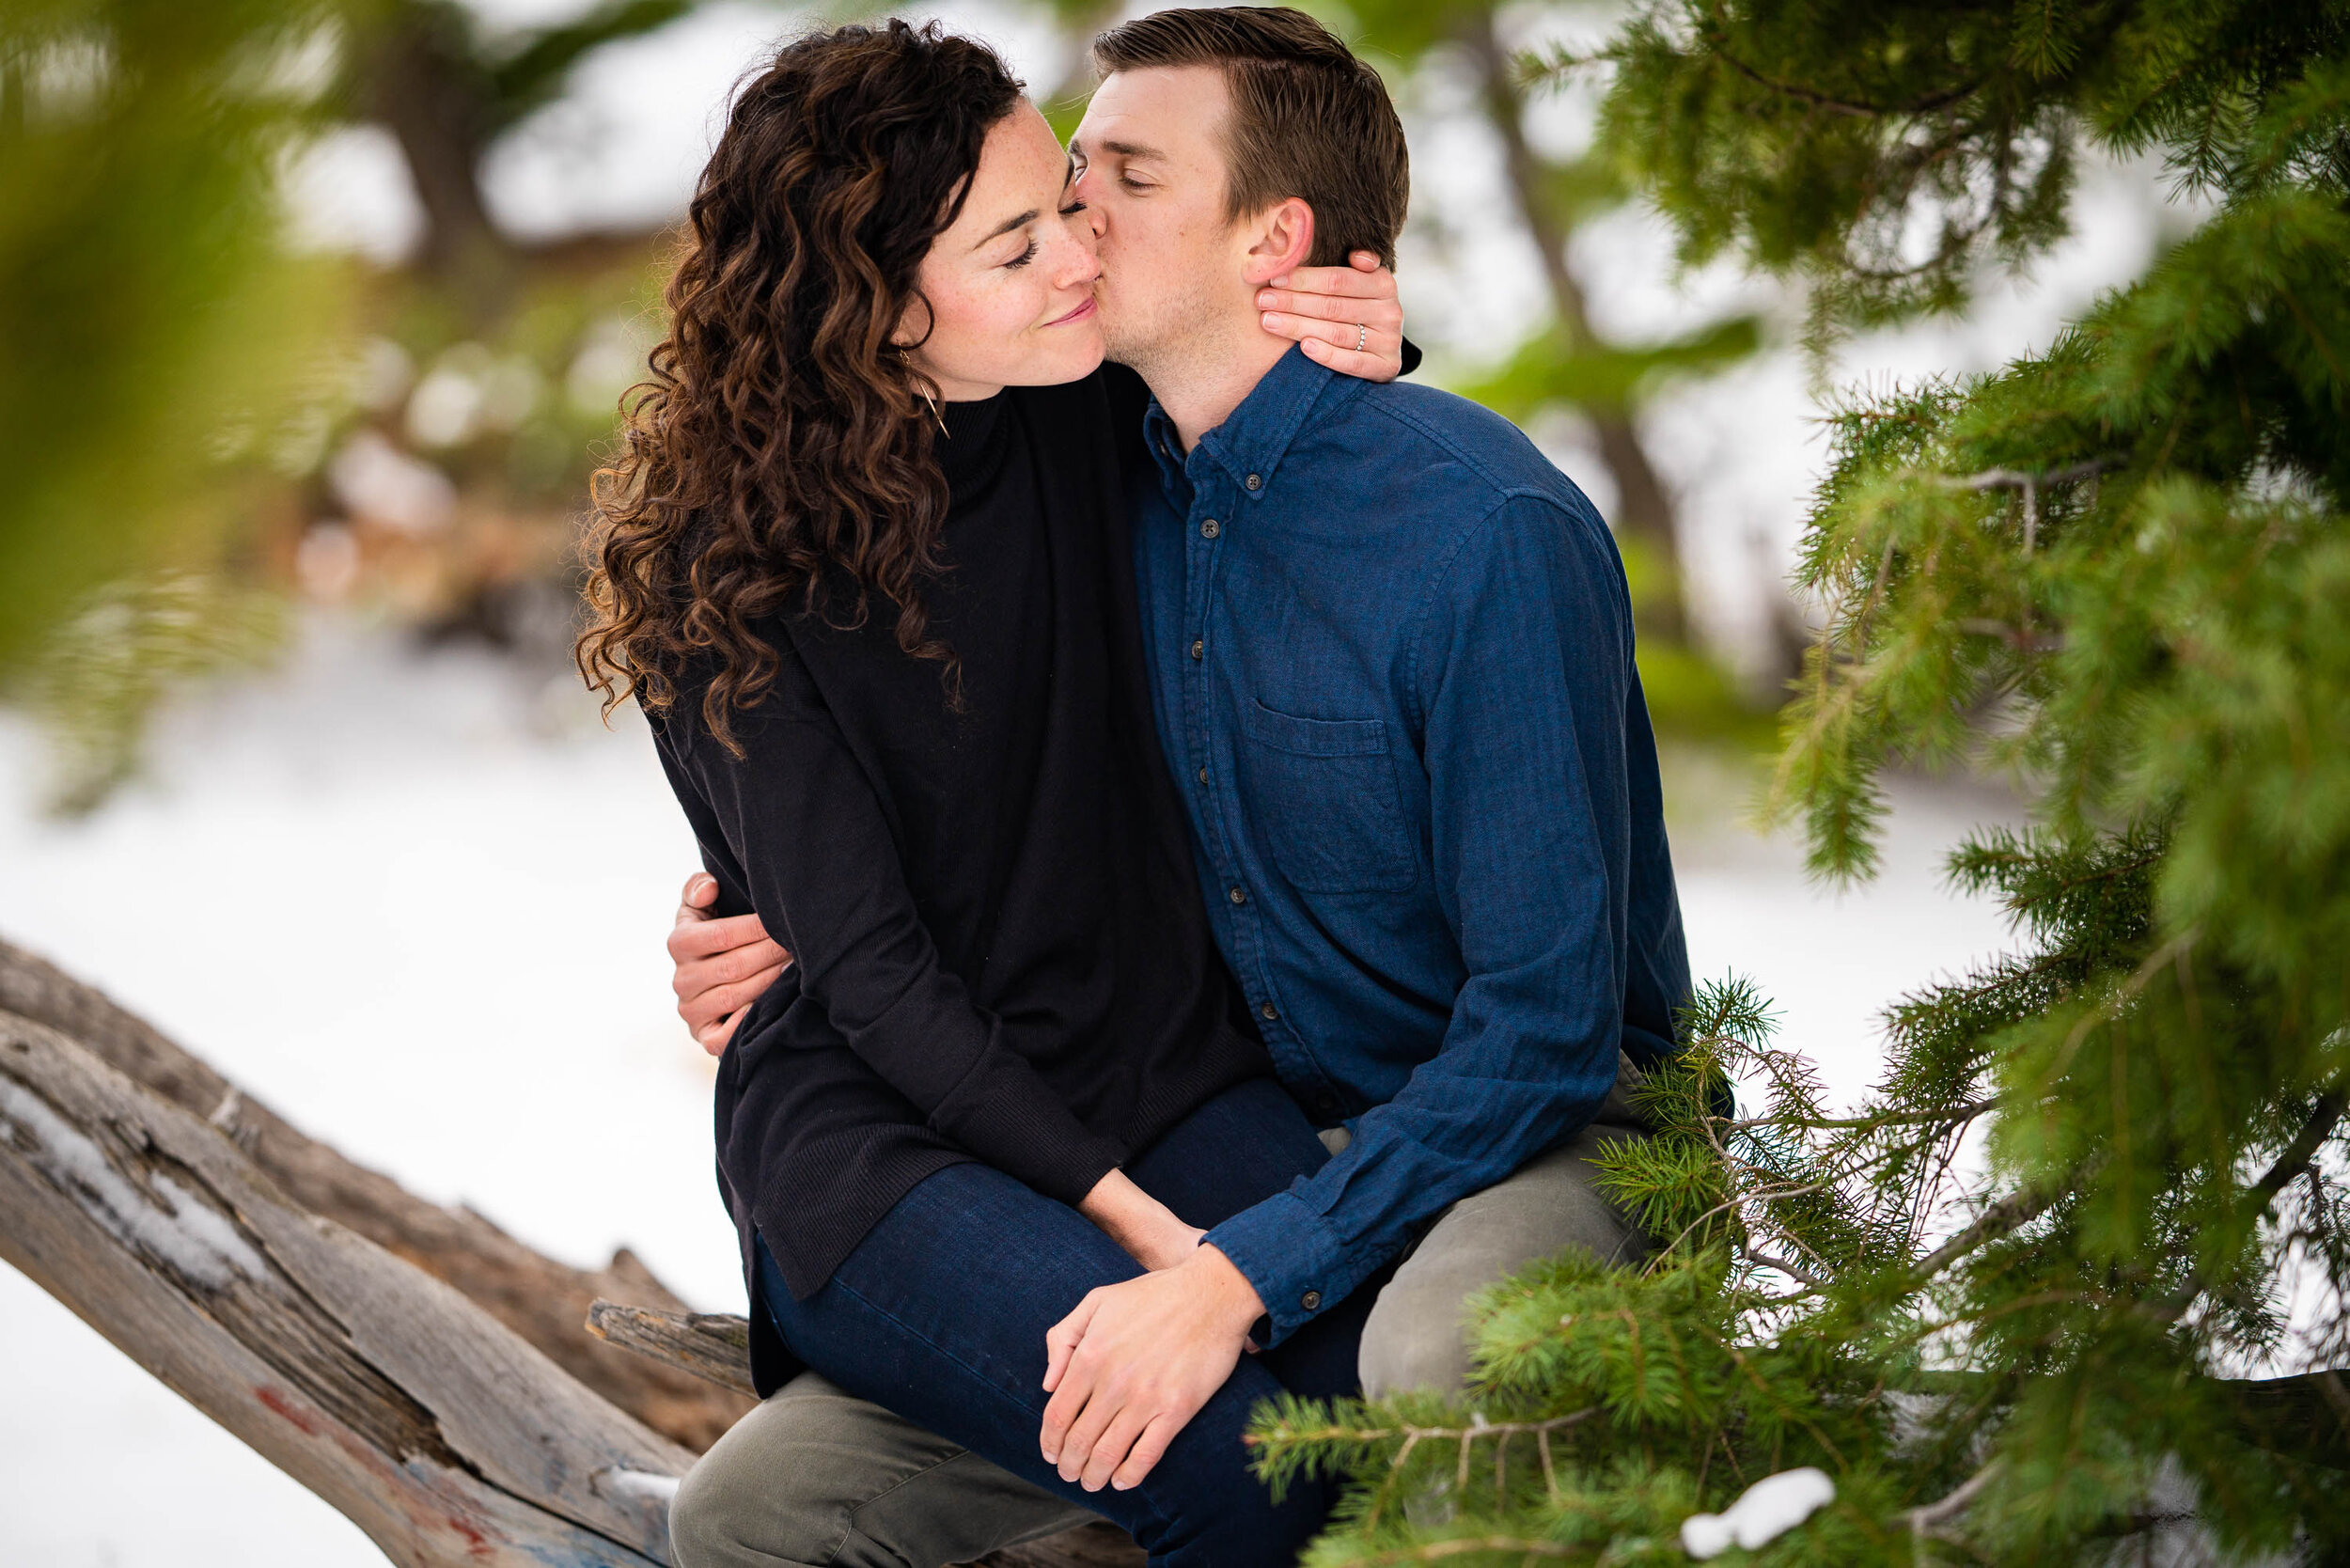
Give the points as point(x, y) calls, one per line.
point(1269, 1012)
point(1310, 1300)
point(1254, 483)
point(1200, 649)
point(1203, 776)
point(1211, 528)
point(1238, 895)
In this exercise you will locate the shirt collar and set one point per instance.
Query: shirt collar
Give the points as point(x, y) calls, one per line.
point(1251, 442)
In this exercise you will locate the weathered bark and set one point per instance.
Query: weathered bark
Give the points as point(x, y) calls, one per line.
point(437, 1431)
point(539, 1299)
point(688, 1397)
point(713, 1346)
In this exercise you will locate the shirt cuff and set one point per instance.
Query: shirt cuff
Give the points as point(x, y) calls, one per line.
point(1286, 1251)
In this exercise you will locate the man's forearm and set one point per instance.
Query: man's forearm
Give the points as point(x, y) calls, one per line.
point(1308, 1248)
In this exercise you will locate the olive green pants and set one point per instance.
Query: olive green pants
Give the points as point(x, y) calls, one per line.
point(817, 1478)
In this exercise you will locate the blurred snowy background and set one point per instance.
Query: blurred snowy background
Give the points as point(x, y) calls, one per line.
point(391, 874)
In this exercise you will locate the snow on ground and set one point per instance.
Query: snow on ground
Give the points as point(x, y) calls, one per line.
point(416, 903)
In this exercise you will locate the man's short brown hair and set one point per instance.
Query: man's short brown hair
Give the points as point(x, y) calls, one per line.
point(1309, 119)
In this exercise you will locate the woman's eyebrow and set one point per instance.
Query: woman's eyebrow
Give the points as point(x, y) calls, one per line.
point(1006, 226)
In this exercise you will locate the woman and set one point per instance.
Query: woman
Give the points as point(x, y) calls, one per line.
point(877, 608)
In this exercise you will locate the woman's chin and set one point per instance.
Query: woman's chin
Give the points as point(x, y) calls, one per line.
point(1073, 352)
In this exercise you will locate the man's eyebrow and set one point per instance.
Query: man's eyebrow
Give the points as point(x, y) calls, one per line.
point(1006, 226)
point(1124, 149)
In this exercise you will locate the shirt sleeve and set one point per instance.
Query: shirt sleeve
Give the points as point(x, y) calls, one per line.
point(799, 817)
point(1524, 670)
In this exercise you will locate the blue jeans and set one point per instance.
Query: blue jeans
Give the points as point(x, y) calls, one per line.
point(940, 1315)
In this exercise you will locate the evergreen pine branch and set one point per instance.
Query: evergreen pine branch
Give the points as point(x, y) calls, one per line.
point(1989, 1298)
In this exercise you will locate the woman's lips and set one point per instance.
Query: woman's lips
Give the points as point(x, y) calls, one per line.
point(1083, 312)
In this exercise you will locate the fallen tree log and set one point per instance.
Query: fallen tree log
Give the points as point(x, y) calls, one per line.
point(543, 1301)
point(434, 1428)
point(713, 1346)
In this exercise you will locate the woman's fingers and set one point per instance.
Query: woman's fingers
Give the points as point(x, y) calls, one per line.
point(1363, 291)
point(1380, 315)
point(1380, 358)
point(1363, 278)
point(1339, 335)
point(1374, 364)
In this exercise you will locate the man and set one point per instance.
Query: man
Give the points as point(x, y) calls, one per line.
point(1392, 665)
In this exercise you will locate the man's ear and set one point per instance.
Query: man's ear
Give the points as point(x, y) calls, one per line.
point(1284, 238)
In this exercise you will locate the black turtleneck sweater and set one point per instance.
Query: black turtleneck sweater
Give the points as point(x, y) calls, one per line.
point(1000, 951)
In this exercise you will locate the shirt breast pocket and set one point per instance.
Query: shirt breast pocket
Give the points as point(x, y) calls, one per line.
point(1326, 793)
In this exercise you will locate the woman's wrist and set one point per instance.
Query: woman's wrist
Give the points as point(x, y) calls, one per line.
point(1146, 1228)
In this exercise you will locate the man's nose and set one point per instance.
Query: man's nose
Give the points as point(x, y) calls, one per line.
point(1079, 264)
point(1083, 189)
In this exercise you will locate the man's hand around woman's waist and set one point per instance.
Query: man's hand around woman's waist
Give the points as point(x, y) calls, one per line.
point(723, 967)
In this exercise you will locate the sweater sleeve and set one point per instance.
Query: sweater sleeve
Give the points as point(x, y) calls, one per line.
point(801, 817)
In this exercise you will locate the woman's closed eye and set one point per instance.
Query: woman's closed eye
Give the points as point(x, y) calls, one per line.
point(1028, 254)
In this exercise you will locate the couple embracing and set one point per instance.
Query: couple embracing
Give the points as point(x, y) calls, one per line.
point(1203, 805)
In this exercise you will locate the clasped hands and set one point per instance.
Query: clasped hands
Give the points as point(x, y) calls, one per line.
point(1132, 1365)
point(1135, 1360)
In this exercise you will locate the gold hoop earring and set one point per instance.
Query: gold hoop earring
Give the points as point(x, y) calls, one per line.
point(939, 415)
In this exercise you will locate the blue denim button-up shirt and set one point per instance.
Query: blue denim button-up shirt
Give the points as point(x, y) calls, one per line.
point(1392, 656)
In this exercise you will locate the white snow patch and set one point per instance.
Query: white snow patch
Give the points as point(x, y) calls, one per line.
point(638, 1484)
point(164, 1220)
point(1764, 1513)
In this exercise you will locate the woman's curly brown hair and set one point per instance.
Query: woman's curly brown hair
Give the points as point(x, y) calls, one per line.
point(782, 443)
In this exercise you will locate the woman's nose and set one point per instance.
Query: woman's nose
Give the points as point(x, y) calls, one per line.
point(1078, 263)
